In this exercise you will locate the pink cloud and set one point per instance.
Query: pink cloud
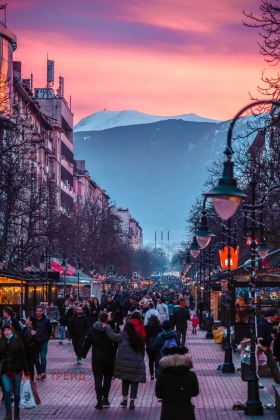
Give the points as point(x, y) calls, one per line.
point(166, 58)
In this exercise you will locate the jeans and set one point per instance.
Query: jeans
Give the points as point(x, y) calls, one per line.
point(41, 359)
point(103, 373)
point(133, 388)
point(11, 383)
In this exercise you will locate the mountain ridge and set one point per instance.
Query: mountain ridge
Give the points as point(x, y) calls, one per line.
point(105, 119)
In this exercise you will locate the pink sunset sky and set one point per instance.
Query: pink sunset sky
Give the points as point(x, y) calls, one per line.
point(161, 57)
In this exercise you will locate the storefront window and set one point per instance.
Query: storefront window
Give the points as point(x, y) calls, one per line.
point(10, 295)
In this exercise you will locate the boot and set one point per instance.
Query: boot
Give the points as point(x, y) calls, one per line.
point(16, 414)
point(8, 415)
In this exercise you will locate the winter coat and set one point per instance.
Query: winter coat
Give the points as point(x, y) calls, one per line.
point(180, 318)
point(139, 327)
point(160, 339)
point(152, 332)
point(162, 309)
point(52, 313)
point(12, 355)
point(78, 326)
point(176, 385)
point(149, 313)
point(31, 342)
point(103, 341)
point(195, 321)
point(129, 364)
point(94, 312)
point(44, 328)
point(66, 313)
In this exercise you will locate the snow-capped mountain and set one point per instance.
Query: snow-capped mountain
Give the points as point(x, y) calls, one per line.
point(104, 120)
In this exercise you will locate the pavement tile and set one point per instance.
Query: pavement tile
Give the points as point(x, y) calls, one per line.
point(68, 392)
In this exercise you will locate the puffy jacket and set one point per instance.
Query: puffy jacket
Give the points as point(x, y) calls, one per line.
point(44, 328)
point(12, 355)
point(129, 364)
point(180, 318)
point(103, 341)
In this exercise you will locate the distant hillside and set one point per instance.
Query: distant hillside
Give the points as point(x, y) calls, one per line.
point(103, 120)
point(157, 169)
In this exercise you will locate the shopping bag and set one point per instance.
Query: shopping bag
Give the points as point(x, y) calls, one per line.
point(26, 396)
point(35, 393)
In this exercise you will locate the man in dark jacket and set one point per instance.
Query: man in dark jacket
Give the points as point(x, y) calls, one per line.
point(180, 320)
point(78, 326)
point(103, 341)
point(265, 338)
point(44, 329)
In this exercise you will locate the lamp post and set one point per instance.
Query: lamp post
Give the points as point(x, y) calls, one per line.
point(79, 270)
point(64, 268)
point(44, 266)
point(226, 200)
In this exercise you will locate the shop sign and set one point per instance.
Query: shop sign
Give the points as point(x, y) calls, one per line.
point(233, 261)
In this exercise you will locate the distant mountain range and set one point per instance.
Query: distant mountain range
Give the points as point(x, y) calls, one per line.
point(156, 169)
point(103, 120)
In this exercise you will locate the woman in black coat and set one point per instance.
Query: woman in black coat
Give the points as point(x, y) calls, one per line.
point(130, 365)
point(32, 344)
point(176, 385)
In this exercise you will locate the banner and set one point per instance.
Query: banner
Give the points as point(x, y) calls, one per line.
point(233, 260)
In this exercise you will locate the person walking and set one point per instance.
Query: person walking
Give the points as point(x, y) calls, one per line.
point(104, 347)
point(66, 312)
point(10, 318)
point(167, 338)
point(44, 330)
point(130, 365)
point(32, 344)
point(78, 326)
point(151, 311)
point(53, 314)
point(94, 310)
point(13, 363)
point(195, 322)
point(162, 309)
point(180, 320)
point(176, 385)
point(153, 329)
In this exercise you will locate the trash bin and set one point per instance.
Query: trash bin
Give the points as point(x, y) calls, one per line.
point(218, 336)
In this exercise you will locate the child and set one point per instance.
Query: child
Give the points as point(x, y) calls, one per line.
point(195, 322)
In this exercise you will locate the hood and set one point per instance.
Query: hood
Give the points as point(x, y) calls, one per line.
point(176, 361)
point(169, 334)
point(135, 322)
point(98, 326)
point(153, 311)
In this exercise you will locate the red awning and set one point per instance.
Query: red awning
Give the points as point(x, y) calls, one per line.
point(58, 267)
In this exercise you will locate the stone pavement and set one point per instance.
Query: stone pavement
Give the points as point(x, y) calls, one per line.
point(68, 391)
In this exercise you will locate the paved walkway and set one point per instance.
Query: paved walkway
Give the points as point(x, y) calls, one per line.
point(68, 391)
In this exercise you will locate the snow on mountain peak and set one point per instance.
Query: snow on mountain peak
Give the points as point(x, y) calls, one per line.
point(103, 120)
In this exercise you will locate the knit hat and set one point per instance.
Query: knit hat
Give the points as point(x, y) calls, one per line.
point(7, 325)
point(182, 304)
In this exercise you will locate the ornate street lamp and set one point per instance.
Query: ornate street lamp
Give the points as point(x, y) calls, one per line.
point(194, 248)
point(64, 268)
point(79, 270)
point(203, 234)
point(226, 199)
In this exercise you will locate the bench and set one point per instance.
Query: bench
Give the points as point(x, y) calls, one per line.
point(277, 397)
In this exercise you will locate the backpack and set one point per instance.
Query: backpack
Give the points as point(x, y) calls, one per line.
point(169, 343)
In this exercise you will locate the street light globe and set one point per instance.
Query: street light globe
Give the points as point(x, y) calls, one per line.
point(195, 252)
point(262, 250)
point(226, 205)
point(203, 241)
